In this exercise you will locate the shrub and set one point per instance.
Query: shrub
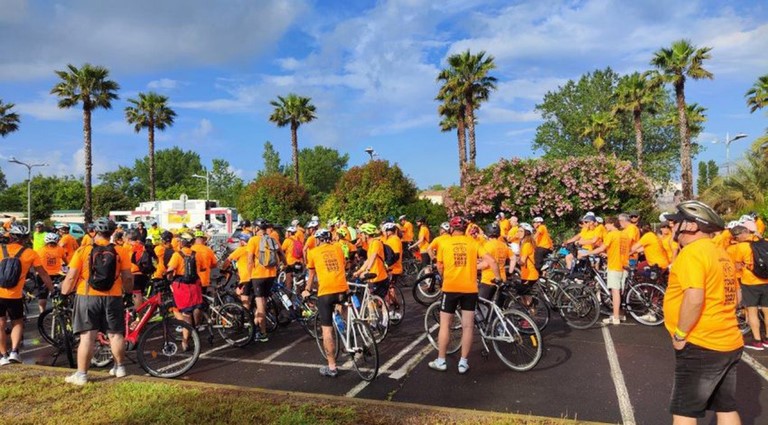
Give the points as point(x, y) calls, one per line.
point(273, 197)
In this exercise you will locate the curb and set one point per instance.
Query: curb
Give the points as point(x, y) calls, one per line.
point(450, 411)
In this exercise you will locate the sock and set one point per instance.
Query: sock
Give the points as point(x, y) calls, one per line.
point(463, 361)
point(440, 360)
point(82, 374)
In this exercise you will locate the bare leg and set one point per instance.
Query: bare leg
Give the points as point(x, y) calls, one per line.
point(117, 344)
point(261, 314)
point(3, 336)
point(467, 331)
point(728, 418)
point(330, 346)
point(754, 322)
point(85, 350)
point(616, 299)
point(444, 334)
point(17, 333)
point(683, 420)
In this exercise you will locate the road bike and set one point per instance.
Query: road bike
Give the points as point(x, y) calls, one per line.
point(233, 322)
point(513, 334)
point(428, 287)
point(372, 309)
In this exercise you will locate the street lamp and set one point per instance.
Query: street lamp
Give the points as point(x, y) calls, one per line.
point(29, 186)
point(369, 150)
point(207, 178)
point(728, 142)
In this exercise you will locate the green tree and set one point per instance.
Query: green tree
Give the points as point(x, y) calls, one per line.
point(468, 77)
point(293, 110)
point(125, 181)
point(150, 111)
point(708, 173)
point(9, 120)
point(634, 93)
point(321, 168)
point(91, 87)
point(106, 198)
point(273, 197)
point(271, 160)
point(695, 115)
point(3, 182)
point(225, 183)
point(371, 191)
point(742, 190)
point(675, 64)
point(757, 95)
point(599, 127)
point(174, 169)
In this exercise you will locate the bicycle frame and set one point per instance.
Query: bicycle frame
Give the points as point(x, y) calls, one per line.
point(362, 313)
point(494, 312)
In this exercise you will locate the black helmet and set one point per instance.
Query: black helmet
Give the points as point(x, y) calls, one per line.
point(421, 219)
point(104, 225)
point(323, 235)
point(246, 223)
point(493, 230)
point(166, 236)
point(260, 223)
point(700, 213)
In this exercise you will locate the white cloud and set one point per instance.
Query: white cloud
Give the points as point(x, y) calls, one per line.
point(204, 129)
point(116, 127)
point(497, 115)
point(46, 108)
point(164, 84)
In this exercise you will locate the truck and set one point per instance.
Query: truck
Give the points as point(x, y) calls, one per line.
point(174, 214)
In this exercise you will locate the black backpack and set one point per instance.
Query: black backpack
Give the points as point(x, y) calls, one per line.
point(144, 262)
point(103, 266)
point(10, 268)
point(390, 256)
point(190, 268)
point(760, 258)
point(167, 254)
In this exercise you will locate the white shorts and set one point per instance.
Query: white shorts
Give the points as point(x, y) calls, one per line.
point(616, 279)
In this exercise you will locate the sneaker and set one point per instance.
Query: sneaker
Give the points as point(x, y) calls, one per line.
point(259, 337)
point(463, 367)
point(327, 371)
point(765, 343)
point(4, 361)
point(14, 357)
point(395, 315)
point(76, 379)
point(117, 371)
point(437, 365)
point(649, 317)
point(622, 318)
point(610, 320)
point(754, 345)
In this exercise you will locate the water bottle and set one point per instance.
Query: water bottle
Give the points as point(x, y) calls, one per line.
point(339, 322)
point(286, 301)
point(356, 301)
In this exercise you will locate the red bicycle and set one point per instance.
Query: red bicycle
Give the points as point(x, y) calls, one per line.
point(166, 347)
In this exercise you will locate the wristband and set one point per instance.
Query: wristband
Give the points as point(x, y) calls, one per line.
point(680, 333)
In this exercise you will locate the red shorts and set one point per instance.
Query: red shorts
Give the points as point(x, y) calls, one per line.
point(187, 296)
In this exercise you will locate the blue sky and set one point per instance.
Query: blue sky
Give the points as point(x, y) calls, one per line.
point(369, 66)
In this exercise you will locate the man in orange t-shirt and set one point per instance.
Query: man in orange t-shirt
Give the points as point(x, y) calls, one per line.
point(67, 241)
point(52, 257)
point(543, 242)
point(422, 243)
point(754, 289)
point(458, 260)
point(374, 262)
point(616, 246)
point(263, 273)
point(700, 315)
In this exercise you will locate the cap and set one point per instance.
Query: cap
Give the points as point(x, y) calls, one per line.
point(590, 218)
point(633, 214)
point(402, 217)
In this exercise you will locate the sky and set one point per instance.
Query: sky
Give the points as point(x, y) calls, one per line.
point(369, 67)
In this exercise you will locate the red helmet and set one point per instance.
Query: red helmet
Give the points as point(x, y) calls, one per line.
point(458, 223)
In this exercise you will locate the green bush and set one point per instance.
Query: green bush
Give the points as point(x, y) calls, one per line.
point(274, 197)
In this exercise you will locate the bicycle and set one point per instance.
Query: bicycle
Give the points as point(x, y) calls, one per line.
point(233, 322)
point(428, 287)
point(55, 327)
point(508, 330)
point(357, 339)
point(373, 309)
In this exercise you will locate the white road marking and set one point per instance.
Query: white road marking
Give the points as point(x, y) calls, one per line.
point(754, 364)
point(280, 352)
point(627, 413)
point(202, 355)
point(406, 368)
point(263, 361)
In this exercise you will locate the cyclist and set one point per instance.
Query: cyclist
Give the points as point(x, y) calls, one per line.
point(240, 257)
point(154, 233)
point(511, 234)
point(263, 269)
point(700, 315)
point(185, 282)
point(542, 241)
point(445, 232)
point(311, 241)
point(501, 253)
point(406, 227)
point(11, 303)
point(67, 241)
point(600, 230)
point(210, 263)
point(759, 223)
point(294, 254)
point(374, 262)
point(38, 236)
point(88, 237)
point(52, 257)
point(667, 240)
point(326, 263)
point(652, 247)
point(140, 277)
point(630, 229)
point(526, 259)
point(99, 310)
point(754, 290)
point(395, 270)
point(423, 242)
point(457, 262)
point(245, 227)
point(142, 232)
point(503, 222)
point(272, 232)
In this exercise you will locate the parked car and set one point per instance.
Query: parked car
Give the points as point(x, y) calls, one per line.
point(75, 229)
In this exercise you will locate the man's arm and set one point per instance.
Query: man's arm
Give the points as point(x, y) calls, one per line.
point(68, 285)
point(690, 312)
point(44, 277)
point(490, 262)
point(127, 279)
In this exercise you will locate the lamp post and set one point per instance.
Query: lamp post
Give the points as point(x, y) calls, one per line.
point(29, 186)
point(207, 178)
point(728, 142)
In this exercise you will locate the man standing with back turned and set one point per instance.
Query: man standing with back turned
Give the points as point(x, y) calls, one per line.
point(699, 311)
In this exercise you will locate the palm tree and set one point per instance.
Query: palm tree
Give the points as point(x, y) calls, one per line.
point(150, 111)
point(294, 110)
point(467, 76)
point(757, 96)
point(635, 94)
point(745, 189)
point(682, 60)
point(90, 86)
point(695, 115)
point(452, 112)
point(9, 120)
point(600, 125)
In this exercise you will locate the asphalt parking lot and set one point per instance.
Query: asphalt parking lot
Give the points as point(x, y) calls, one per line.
point(618, 374)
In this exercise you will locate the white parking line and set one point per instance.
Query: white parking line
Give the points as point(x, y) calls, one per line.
point(264, 361)
point(627, 413)
point(406, 368)
point(755, 365)
point(280, 352)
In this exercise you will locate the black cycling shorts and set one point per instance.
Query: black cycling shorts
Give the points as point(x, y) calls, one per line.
point(260, 287)
point(452, 300)
point(140, 283)
point(704, 380)
point(380, 288)
point(13, 307)
point(325, 304)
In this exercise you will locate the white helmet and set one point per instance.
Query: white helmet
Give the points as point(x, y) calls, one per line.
point(528, 228)
point(745, 218)
point(732, 224)
point(51, 238)
point(599, 220)
point(536, 220)
point(445, 226)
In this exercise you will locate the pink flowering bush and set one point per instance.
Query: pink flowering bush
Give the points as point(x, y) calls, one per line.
point(560, 190)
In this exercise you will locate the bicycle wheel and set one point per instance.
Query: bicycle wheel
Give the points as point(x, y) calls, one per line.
point(376, 314)
point(427, 289)
point(307, 308)
point(537, 309)
point(396, 305)
point(741, 317)
point(365, 352)
point(235, 325)
point(162, 349)
point(46, 329)
point(102, 354)
point(62, 328)
point(516, 340)
point(578, 306)
point(271, 316)
point(432, 327)
point(319, 338)
point(645, 303)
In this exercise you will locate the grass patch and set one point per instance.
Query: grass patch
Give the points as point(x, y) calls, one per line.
point(38, 396)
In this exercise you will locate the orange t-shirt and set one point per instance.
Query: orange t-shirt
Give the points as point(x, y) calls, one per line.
point(501, 253)
point(504, 226)
point(435, 244)
point(731, 251)
point(424, 236)
point(275, 235)
point(69, 244)
point(458, 255)
point(760, 226)
point(588, 234)
point(655, 254)
point(176, 263)
point(703, 265)
point(288, 250)
point(723, 239)
point(742, 254)
point(81, 262)
point(52, 258)
point(300, 235)
point(528, 268)
point(240, 256)
point(328, 262)
point(617, 249)
point(311, 243)
point(632, 232)
point(259, 271)
point(160, 267)
point(397, 246)
point(542, 238)
point(376, 250)
point(512, 234)
point(600, 232)
point(407, 232)
point(29, 258)
point(210, 263)
point(87, 240)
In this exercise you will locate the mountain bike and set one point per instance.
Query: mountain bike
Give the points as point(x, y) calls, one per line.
point(55, 327)
point(233, 322)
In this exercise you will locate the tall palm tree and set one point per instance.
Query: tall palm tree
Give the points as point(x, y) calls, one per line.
point(9, 120)
point(635, 94)
point(680, 61)
point(757, 96)
point(294, 110)
point(452, 112)
point(150, 111)
point(695, 115)
point(90, 86)
point(600, 125)
point(467, 75)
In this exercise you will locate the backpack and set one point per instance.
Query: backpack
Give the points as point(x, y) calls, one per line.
point(266, 243)
point(103, 266)
point(760, 258)
point(298, 249)
point(167, 254)
point(144, 262)
point(390, 256)
point(190, 268)
point(10, 268)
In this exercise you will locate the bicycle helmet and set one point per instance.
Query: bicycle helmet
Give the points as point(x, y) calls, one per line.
point(493, 230)
point(290, 229)
point(62, 226)
point(421, 219)
point(402, 217)
point(245, 223)
point(89, 227)
point(104, 225)
point(166, 236)
point(732, 224)
point(260, 223)
point(699, 213)
point(39, 224)
point(323, 235)
point(245, 237)
point(51, 238)
point(445, 226)
point(314, 224)
point(342, 232)
point(187, 237)
point(294, 222)
point(745, 218)
point(390, 227)
point(369, 229)
point(538, 220)
point(18, 230)
point(458, 223)
point(599, 220)
point(528, 228)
